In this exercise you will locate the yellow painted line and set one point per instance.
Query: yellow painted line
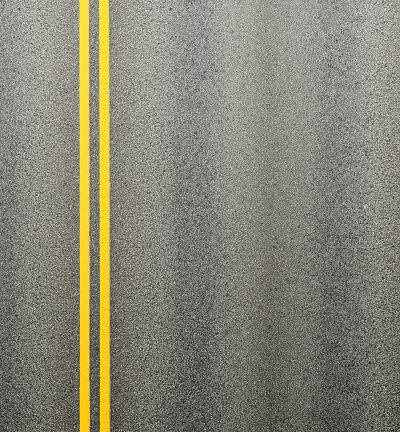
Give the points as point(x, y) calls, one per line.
point(104, 118)
point(84, 259)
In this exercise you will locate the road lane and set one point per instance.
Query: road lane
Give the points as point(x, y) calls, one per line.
point(253, 216)
point(84, 217)
point(39, 234)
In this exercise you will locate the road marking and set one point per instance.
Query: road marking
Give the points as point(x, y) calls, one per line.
point(84, 251)
point(104, 117)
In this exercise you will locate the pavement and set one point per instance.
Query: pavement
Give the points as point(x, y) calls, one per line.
point(254, 171)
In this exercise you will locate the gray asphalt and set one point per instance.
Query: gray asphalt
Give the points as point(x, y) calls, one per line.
point(255, 224)
point(39, 216)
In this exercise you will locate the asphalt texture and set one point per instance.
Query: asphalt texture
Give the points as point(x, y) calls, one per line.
point(39, 216)
point(255, 224)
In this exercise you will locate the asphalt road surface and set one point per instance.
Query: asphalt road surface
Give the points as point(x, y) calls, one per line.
point(255, 216)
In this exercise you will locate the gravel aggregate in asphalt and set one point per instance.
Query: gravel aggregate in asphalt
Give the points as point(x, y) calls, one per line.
point(254, 216)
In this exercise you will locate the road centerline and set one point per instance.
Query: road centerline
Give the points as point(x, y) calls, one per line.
point(104, 197)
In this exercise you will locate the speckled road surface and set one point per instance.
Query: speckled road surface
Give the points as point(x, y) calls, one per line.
point(39, 216)
point(255, 216)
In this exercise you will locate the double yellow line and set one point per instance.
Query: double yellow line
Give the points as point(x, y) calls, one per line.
point(104, 201)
